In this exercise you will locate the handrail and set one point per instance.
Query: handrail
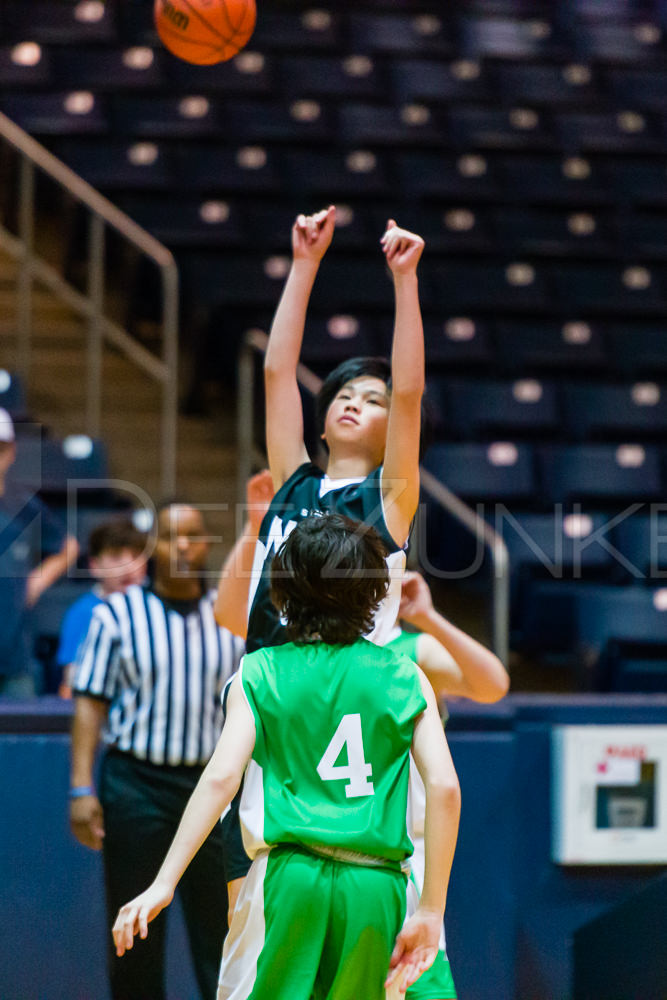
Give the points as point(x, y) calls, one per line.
point(249, 456)
point(90, 305)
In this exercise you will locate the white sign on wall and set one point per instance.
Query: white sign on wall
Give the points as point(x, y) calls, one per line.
point(609, 795)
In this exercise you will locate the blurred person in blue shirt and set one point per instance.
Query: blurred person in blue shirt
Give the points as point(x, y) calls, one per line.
point(35, 551)
point(117, 558)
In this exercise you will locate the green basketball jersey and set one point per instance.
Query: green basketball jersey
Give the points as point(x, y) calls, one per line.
point(330, 767)
point(406, 643)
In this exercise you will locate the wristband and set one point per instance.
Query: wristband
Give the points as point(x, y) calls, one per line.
point(81, 791)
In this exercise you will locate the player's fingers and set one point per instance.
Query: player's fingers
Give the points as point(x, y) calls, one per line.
point(143, 922)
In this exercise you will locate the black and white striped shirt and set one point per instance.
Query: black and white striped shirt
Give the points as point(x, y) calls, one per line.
point(162, 673)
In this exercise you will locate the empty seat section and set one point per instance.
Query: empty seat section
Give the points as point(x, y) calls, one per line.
point(634, 411)
point(486, 409)
point(615, 475)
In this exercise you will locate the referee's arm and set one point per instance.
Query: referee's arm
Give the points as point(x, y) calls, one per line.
point(94, 682)
point(86, 817)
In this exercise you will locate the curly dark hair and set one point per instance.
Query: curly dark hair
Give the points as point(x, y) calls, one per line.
point(328, 579)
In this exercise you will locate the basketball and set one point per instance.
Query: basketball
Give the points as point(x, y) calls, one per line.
point(204, 31)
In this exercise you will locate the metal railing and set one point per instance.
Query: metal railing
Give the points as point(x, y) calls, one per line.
point(251, 457)
point(90, 305)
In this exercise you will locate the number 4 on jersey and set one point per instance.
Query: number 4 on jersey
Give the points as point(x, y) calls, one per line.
point(357, 771)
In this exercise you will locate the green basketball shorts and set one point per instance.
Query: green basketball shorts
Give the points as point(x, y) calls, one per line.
point(312, 928)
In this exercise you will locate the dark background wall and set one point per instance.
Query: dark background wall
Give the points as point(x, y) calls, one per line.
point(512, 913)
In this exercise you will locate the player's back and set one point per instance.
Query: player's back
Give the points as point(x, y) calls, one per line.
point(334, 727)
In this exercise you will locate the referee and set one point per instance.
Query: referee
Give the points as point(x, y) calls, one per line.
point(151, 670)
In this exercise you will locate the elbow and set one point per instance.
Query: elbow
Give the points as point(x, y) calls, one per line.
point(446, 790)
point(498, 687)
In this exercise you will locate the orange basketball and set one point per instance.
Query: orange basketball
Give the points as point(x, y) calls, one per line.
point(204, 31)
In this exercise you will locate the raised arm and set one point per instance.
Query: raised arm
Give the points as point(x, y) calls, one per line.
point(214, 791)
point(400, 475)
point(311, 236)
point(231, 603)
point(454, 662)
point(417, 942)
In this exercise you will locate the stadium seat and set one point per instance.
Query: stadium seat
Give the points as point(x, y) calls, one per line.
point(491, 410)
point(644, 233)
point(500, 471)
point(489, 286)
point(368, 124)
point(251, 73)
point(331, 77)
point(157, 117)
point(59, 114)
point(33, 67)
point(632, 666)
point(510, 37)
point(458, 343)
point(191, 222)
point(550, 347)
point(102, 69)
point(606, 289)
point(641, 539)
point(638, 87)
point(548, 84)
point(553, 179)
point(638, 349)
point(337, 173)
point(440, 82)
point(60, 23)
point(115, 165)
point(252, 169)
point(613, 475)
point(296, 122)
point(440, 175)
point(639, 182)
point(634, 411)
point(400, 33)
point(618, 131)
point(329, 340)
point(483, 127)
point(296, 30)
point(554, 232)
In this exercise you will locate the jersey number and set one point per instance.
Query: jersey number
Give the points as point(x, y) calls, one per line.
point(357, 771)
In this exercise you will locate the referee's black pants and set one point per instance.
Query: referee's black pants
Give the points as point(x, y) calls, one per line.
point(143, 804)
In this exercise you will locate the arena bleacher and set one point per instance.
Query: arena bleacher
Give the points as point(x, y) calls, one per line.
point(527, 142)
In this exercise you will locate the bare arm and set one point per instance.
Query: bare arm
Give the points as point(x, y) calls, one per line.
point(417, 943)
point(51, 569)
point(86, 817)
point(400, 475)
point(214, 791)
point(311, 236)
point(454, 662)
point(231, 603)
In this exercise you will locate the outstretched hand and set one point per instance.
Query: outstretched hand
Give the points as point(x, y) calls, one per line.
point(312, 234)
point(415, 950)
point(135, 916)
point(402, 249)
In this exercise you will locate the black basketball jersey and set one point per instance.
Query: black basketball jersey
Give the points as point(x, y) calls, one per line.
point(307, 491)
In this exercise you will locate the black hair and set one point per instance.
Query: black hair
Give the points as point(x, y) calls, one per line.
point(113, 535)
point(328, 579)
point(373, 367)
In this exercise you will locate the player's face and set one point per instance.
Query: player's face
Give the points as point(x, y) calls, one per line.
point(181, 548)
point(359, 413)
